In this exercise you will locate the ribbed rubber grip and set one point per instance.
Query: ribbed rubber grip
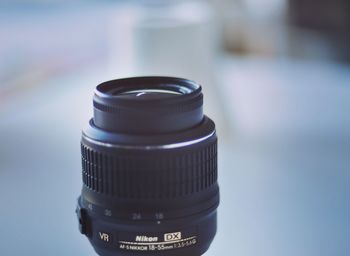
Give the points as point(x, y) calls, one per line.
point(151, 175)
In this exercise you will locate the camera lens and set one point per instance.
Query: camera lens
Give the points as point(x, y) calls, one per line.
point(149, 169)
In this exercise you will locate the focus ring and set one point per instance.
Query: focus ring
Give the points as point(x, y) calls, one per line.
point(169, 109)
point(163, 175)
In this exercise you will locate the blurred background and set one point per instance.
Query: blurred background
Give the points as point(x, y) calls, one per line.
point(276, 79)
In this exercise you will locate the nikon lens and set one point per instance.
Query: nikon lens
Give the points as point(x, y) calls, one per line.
point(149, 169)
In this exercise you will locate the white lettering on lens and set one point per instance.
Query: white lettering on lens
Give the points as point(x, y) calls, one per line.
point(172, 236)
point(146, 239)
point(104, 236)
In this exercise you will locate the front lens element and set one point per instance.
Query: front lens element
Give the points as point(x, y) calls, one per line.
point(149, 161)
point(149, 94)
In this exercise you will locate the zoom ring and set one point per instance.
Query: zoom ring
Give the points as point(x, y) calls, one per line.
point(134, 176)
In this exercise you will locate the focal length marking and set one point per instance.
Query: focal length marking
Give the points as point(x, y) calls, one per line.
point(158, 243)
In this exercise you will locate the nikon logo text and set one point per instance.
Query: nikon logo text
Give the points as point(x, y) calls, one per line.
point(146, 239)
point(172, 236)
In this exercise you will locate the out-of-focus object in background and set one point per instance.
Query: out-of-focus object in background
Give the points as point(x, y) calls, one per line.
point(306, 29)
point(254, 27)
point(164, 37)
point(320, 23)
point(169, 38)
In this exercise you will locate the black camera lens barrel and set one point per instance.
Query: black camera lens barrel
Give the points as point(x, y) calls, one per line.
point(149, 169)
point(153, 106)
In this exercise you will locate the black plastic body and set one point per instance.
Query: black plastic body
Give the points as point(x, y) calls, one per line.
point(153, 192)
